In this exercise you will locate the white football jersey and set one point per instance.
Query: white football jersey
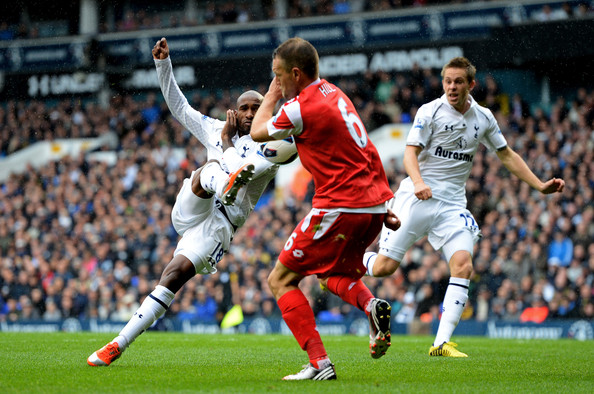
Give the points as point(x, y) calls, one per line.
point(450, 140)
point(208, 131)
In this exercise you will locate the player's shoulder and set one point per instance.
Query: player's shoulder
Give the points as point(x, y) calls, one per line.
point(482, 111)
point(216, 124)
point(211, 126)
point(430, 109)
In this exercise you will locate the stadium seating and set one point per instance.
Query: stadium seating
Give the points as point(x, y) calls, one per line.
point(84, 239)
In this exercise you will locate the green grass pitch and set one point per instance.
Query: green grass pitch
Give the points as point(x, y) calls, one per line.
point(175, 362)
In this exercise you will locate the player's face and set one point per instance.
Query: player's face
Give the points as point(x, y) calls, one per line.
point(246, 110)
point(285, 78)
point(457, 88)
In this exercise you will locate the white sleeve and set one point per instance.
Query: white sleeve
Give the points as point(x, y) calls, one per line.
point(201, 126)
point(493, 139)
point(422, 129)
point(286, 122)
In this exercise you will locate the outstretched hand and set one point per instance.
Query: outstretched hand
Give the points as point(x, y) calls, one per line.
point(161, 49)
point(555, 185)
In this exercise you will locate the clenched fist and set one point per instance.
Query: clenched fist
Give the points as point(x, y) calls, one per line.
point(161, 49)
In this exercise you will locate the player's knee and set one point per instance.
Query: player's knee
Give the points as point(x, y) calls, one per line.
point(273, 283)
point(281, 280)
point(461, 264)
point(466, 270)
point(177, 273)
point(384, 266)
point(197, 188)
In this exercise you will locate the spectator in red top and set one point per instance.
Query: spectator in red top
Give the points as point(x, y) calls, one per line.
point(537, 313)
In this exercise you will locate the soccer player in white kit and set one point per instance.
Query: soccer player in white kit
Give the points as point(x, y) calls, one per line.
point(211, 204)
point(432, 201)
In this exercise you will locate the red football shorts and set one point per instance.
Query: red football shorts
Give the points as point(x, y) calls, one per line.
point(327, 243)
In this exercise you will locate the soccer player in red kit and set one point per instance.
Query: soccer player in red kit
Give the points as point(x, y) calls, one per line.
point(348, 207)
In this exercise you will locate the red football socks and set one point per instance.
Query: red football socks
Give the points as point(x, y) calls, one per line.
point(301, 320)
point(350, 290)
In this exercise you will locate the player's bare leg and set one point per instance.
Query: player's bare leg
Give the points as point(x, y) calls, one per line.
point(175, 275)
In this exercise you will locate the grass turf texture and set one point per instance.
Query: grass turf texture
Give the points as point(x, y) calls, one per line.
point(175, 362)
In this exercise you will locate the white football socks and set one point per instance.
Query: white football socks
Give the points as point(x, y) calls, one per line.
point(368, 262)
point(453, 306)
point(152, 308)
point(213, 178)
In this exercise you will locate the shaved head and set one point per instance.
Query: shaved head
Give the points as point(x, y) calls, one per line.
point(249, 95)
point(247, 106)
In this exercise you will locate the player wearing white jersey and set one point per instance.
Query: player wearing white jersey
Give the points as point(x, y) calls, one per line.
point(211, 204)
point(432, 201)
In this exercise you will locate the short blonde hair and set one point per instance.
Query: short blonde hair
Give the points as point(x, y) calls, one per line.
point(463, 63)
point(297, 52)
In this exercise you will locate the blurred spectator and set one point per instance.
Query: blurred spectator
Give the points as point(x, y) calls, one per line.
point(512, 311)
point(583, 10)
point(228, 12)
point(205, 305)
point(483, 304)
point(152, 110)
point(384, 86)
point(407, 312)
point(125, 307)
point(187, 310)
point(332, 315)
point(535, 313)
point(547, 13)
point(6, 33)
point(519, 109)
point(28, 310)
point(52, 313)
point(560, 250)
point(342, 7)
point(129, 22)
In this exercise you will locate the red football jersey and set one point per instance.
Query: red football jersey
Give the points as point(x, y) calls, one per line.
point(334, 147)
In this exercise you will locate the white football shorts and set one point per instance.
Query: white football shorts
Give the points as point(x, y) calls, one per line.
point(206, 232)
point(449, 227)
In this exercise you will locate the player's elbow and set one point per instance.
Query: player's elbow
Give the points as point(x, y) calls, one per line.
point(259, 135)
point(256, 137)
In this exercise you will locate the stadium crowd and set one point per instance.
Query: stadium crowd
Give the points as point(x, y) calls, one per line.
point(88, 240)
point(139, 15)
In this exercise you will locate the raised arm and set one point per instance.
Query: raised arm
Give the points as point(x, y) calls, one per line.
point(259, 130)
point(201, 127)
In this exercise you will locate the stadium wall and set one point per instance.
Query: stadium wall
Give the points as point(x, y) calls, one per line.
point(575, 329)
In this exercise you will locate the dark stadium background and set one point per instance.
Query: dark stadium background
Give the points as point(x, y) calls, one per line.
point(83, 241)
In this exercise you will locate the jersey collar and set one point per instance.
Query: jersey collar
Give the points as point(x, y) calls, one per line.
point(473, 102)
point(317, 81)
